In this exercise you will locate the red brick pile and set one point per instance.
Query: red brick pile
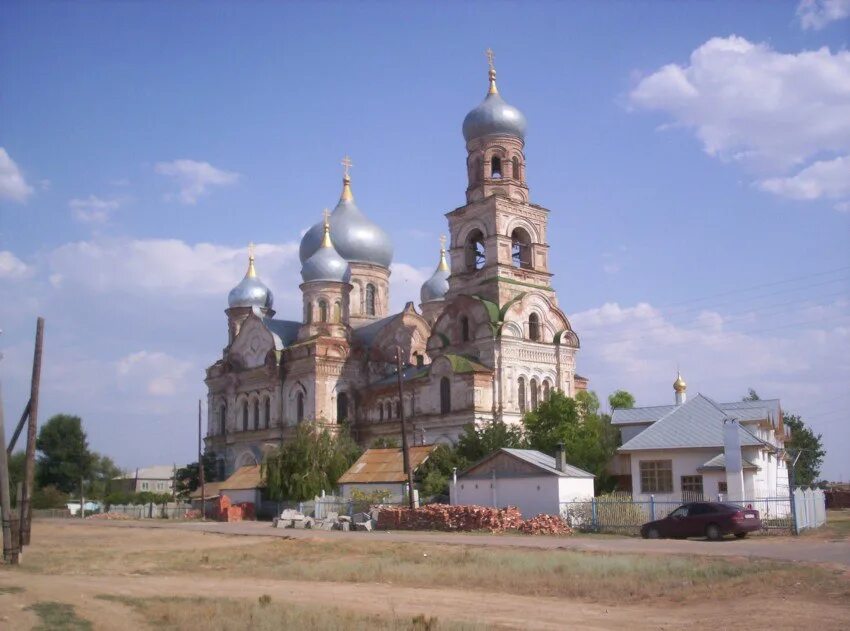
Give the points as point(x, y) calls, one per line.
point(224, 510)
point(545, 525)
point(110, 516)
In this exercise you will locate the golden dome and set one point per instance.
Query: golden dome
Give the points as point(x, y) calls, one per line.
point(679, 385)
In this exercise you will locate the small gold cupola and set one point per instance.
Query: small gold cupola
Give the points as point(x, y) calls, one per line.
point(680, 388)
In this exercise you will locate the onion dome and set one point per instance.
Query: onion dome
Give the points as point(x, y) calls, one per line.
point(436, 287)
point(679, 385)
point(326, 264)
point(494, 117)
point(355, 236)
point(250, 292)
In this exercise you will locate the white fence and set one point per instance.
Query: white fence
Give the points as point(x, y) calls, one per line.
point(809, 508)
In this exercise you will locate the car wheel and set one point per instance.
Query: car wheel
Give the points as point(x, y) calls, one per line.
point(712, 531)
point(740, 535)
point(653, 533)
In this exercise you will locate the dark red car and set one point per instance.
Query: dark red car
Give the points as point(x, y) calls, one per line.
point(713, 520)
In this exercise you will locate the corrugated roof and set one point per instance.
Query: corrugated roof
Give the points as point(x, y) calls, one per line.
point(284, 332)
point(696, 423)
point(744, 411)
point(546, 463)
point(622, 416)
point(366, 334)
point(243, 478)
point(719, 463)
point(156, 472)
point(210, 490)
point(409, 373)
point(384, 465)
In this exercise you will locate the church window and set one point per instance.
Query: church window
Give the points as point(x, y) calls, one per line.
point(445, 395)
point(267, 412)
point(398, 409)
point(546, 389)
point(496, 167)
point(380, 412)
point(532, 386)
point(520, 393)
point(534, 327)
point(515, 165)
point(337, 311)
point(389, 411)
point(299, 407)
point(464, 329)
point(244, 416)
point(323, 311)
point(342, 407)
point(308, 313)
point(370, 299)
point(520, 249)
point(475, 252)
point(257, 414)
point(222, 418)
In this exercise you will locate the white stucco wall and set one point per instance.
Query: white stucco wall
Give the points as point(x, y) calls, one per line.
point(531, 495)
point(575, 489)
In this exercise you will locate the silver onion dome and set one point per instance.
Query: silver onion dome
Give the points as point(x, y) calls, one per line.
point(251, 291)
point(355, 236)
point(436, 287)
point(494, 116)
point(326, 264)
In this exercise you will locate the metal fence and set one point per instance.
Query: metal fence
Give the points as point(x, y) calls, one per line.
point(625, 515)
point(135, 511)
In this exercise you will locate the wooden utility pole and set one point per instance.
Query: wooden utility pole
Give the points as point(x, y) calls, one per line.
point(201, 476)
point(10, 552)
point(405, 449)
point(29, 470)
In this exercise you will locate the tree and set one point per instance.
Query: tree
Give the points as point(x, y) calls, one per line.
point(17, 462)
point(64, 458)
point(477, 442)
point(433, 476)
point(310, 463)
point(102, 477)
point(385, 442)
point(621, 400)
point(188, 478)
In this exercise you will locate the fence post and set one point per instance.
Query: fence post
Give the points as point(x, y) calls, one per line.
point(652, 508)
point(594, 513)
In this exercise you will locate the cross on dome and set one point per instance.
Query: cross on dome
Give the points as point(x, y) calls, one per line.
point(346, 166)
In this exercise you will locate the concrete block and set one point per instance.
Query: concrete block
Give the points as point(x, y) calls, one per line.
point(344, 526)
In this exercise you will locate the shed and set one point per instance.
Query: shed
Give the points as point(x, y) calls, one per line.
point(383, 470)
point(528, 479)
point(244, 485)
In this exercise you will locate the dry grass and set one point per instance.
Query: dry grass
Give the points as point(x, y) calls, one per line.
point(207, 614)
point(606, 578)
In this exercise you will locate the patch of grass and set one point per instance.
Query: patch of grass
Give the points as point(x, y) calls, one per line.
point(58, 617)
point(10, 589)
point(208, 614)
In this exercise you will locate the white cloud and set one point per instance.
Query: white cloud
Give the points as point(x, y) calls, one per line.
point(405, 283)
point(195, 178)
point(13, 185)
point(93, 209)
point(161, 374)
point(816, 14)
point(826, 178)
point(749, 103)
point(12, 267)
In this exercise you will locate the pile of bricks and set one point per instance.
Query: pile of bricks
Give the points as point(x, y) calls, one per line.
point(446, 517)
point(545, 525)
point(224, 510)
point(110, 516)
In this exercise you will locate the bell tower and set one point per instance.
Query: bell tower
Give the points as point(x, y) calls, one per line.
point(498, 239)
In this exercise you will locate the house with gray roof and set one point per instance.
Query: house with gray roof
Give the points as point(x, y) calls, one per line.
point(680, 451)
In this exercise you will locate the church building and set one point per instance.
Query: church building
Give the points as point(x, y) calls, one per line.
point(488, 341)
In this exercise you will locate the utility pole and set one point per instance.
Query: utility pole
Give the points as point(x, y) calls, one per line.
point(405, 449)
point(25, 508)
point(201, 468)
point(10, 553)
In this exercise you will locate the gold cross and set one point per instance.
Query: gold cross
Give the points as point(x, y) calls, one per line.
point(326, 214)
point(442, 242)
point(490, 56)
point(251, 250)
point(346, 165)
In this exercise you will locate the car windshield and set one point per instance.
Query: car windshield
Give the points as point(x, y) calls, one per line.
point(682, 511)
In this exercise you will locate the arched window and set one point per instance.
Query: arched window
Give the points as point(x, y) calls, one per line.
point(445, 395)
point(464, 329)
point(520, 393)
point(534, 393)
point(534, 327)
point(299, 407)
point(475, 252)
point(267, 412)
point(546, 390)
point(244, 416)
point(520, 249)
point(337, 311)
point(380, 412)
point(389, 408)
point(222, 418)
point(496, 167)
point(515, 168)
point(398, 409)
point(323, 311)
point(370, 299)
point(257, 414)
point(341, 407)
point(308, 313)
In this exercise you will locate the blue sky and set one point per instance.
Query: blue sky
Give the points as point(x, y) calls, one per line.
point(694, 157)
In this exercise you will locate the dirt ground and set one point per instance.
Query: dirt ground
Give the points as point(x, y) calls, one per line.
point(78, 564)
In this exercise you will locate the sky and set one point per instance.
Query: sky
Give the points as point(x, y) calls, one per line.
point(695, 158)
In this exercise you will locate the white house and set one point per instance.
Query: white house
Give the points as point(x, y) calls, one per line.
point(532, 481)
point(700, 449)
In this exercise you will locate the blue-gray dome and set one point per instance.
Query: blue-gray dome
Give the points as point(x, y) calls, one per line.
point(494, 117)
point(250, 292)
point(436, 287)
point(355, 236)
point(326, 264)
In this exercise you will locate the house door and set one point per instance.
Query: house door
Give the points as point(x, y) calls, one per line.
point(692, 488)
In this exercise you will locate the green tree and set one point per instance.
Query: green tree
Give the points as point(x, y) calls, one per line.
point(385, 442)
point(64, 457)
point(188, 478)
point(621, 400)
point(17, 462)
point(311, 462)
point(434, 475)
point(477, 442)
point(102, 476)
point(49, 497)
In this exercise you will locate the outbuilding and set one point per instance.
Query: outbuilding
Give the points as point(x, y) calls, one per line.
point(382, 471)
point(528, 479)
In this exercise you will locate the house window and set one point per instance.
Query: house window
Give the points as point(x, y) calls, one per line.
point(722, 488)
point(267, 412)
point(445, 396)
point(341, 407)
point(520, 249)
point(144, 486)
point(464, 329)
point(656, 476)
point(692, 488)
point(534, 327)
point(299, 407)
point(475, 251)
point(520, 393)
point(244, 416)
point(533, 387)
point(370, 299)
